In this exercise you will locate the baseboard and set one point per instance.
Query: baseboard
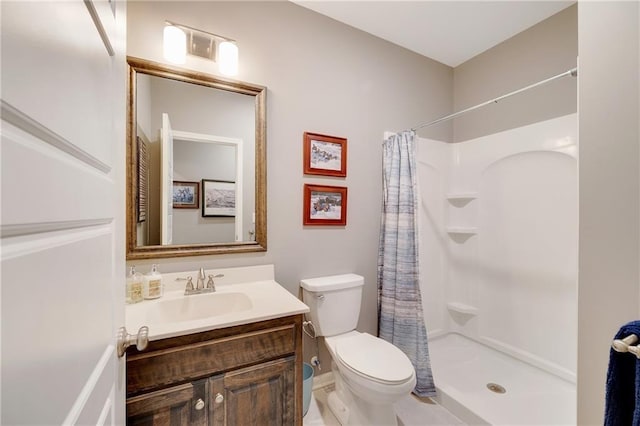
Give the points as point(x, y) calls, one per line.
point(322, 380)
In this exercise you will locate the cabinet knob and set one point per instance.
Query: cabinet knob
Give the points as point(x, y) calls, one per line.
point(199, 404)
point(219, 398)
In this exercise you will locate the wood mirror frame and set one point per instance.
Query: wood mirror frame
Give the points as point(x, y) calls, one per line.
point(133, 251)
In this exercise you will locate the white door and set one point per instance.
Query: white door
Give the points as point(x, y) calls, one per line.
point(166, 187)
point(62, 225)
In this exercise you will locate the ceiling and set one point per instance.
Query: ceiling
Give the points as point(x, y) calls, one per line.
point(450, 32)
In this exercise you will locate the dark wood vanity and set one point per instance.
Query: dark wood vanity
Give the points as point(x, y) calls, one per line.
point(243, 375)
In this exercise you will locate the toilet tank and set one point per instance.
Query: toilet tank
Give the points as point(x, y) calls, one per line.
point(334, 302)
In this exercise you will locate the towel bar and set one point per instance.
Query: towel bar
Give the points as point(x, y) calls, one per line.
point(626, 345)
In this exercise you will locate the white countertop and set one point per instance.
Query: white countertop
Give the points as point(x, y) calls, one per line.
point(268, 300)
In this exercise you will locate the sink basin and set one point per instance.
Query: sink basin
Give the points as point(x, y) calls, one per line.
point(199, 306)
point(245, 295)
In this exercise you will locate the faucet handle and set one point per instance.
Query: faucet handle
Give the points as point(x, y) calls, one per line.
point(210, 283)
point(189, 284)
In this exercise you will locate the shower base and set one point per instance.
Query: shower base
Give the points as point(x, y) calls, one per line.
point(481, 385)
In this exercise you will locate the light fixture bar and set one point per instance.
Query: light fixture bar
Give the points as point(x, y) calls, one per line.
point(188, 28)
point(213, 47)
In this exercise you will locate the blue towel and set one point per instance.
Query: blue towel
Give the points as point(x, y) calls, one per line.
point(623, 383)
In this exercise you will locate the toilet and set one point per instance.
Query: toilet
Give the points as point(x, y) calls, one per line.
point(370, 373)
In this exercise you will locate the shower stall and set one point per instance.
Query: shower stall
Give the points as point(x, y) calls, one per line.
point(498, 253)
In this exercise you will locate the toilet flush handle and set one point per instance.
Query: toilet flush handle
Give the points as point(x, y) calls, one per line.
point(320, 297)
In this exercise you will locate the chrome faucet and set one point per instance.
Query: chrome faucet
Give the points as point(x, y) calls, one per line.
point(200, 287)
point(200, 284)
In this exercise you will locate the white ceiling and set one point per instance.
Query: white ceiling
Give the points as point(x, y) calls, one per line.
point(450, 32)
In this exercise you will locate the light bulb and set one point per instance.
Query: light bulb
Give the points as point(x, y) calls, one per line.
point(175, 45)
point(228, 58)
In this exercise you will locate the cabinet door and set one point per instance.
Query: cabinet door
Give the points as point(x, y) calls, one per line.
point(183, 405)
point(260, 395)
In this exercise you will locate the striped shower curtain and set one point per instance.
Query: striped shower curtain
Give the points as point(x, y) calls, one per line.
point(400, 314)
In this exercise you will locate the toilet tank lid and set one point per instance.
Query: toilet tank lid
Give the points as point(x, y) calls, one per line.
point(333, 282)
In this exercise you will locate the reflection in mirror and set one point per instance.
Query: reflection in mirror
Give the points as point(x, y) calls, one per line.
point(197, 173)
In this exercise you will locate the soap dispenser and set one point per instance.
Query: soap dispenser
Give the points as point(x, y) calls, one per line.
point(152, 287)
point(134, 286)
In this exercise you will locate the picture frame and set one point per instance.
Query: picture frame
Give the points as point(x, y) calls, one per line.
point(186, 195)
point(218, 198)
point(324, 155)
point(324, 205)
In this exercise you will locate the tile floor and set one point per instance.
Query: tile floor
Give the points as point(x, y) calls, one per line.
point(411, 410)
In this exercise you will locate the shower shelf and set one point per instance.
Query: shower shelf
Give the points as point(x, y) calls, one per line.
point(462, 308)
point(468, 196)
point(462, 230)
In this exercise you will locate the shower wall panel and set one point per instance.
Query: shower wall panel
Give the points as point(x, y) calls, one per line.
point(433, 170)
point(506, 241)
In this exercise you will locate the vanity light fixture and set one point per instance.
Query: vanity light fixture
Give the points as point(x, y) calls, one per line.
point(200, 43)
point(174, 44)
point(228, 58)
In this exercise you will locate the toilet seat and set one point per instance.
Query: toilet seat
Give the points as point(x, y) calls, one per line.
point(374, 359)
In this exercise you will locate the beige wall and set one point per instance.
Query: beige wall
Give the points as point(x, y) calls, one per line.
point(609, 190)
point(544, 50)
point(324, 77)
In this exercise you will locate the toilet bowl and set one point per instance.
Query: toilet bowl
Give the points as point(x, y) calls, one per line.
point(370, 373)
point(373, 368)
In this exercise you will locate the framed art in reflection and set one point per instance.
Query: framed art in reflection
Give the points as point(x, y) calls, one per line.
point(218, 198)
point(185, 195)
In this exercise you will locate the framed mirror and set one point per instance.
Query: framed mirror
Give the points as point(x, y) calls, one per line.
point(196, 163)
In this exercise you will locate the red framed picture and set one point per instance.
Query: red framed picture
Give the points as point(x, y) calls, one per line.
point(325, 205)
point(324, 155)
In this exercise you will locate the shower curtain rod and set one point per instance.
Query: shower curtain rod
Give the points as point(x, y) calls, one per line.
point(572, 72)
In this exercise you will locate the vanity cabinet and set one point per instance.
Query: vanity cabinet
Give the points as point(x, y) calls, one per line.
point(243, 375)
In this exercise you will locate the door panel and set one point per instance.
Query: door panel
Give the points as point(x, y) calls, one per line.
point(57, 183)
point(62, 229)
point(58, 72)
point(46, 336)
